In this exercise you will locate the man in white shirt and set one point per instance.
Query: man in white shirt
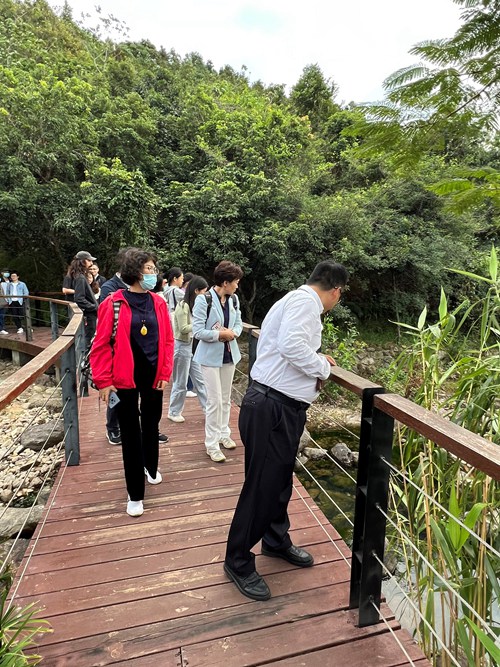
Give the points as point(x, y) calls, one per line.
point(286, 378)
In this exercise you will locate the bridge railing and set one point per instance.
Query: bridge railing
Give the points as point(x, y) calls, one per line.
point(64, 352)
point(379, 412)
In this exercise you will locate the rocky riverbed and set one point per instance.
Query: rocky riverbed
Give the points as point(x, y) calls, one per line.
point(30, 435)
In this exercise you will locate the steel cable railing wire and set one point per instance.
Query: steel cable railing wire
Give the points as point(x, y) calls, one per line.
point(321, 525)
point(35, 461)
point(325, 492)
point(47, 475)
point(33, 546)
point(437, 574)
point(395, 472)
point(395, 637)
point(35, 416)
point(416, 609)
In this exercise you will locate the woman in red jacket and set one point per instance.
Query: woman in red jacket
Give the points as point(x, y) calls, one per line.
point(134, 366)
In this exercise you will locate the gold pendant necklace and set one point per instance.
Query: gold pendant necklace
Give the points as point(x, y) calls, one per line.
point(144, 329)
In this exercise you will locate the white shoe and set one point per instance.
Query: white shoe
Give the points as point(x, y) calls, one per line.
point(135, 508)
point(217, 456)
point(227, 443)
point(191, 394)
point(4, 333)
point(176, 418)
point(20, 330)
point(153, 480)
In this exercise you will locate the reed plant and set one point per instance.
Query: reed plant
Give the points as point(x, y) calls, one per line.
point(452, 366)
point(18, 628)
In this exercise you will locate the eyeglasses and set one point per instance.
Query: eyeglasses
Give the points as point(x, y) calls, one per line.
point(151, 269)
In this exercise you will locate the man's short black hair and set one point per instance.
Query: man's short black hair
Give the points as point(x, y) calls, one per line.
point(133, 260)
point(328, 274)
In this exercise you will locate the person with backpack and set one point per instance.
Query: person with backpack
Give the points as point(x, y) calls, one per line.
point(217, 324)
point(184, 365)
point(173, 291)
point(132, 368)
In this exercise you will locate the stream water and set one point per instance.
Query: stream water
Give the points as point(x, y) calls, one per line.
point(336, 483)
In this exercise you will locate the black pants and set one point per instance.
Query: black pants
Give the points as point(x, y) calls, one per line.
point(139, 427)
point(16, 311)
point(270, 432)
point(112, 423)
point(90, 325)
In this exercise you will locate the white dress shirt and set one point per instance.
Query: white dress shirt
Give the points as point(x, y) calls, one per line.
point(286, 351)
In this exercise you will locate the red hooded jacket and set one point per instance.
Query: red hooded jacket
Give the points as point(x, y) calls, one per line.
point(114, 365)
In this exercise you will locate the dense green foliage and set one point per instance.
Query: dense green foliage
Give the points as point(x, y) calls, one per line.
point(105, 143)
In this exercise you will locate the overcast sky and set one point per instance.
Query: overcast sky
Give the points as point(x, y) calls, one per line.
point(357, 43)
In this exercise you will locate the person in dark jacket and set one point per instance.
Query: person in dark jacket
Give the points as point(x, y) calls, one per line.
point(135, 368)
point(83, 295)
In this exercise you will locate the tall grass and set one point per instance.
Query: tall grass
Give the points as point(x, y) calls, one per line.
point(452, 366)
point(18, 629)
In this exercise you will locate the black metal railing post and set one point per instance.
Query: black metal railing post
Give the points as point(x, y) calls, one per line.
point(27, 317)
point(369, 524)
point(70, 403)
point(54, 320)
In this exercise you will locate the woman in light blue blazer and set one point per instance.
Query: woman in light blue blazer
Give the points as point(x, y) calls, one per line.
point(216, 325)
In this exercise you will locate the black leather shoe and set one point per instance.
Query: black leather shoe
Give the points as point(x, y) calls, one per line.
point(294, 555)
point(253, 585)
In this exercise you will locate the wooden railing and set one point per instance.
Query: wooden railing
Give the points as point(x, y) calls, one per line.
point(378, 412)
point(64, 350)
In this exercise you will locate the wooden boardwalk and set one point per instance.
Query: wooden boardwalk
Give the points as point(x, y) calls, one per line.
point(151, 591)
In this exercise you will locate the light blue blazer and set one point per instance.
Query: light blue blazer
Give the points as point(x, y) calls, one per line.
point(210, 350)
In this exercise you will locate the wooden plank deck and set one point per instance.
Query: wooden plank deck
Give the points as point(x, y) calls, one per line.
point(150, 591)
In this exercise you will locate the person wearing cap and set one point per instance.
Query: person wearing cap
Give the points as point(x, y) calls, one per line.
point(76, 279)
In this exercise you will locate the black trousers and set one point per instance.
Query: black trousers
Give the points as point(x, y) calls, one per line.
point(270, 432)
point(112, 423)
point(90, 326)
point(16, 311)
point(139, 413)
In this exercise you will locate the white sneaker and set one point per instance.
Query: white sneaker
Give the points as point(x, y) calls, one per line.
point(191, 394)
point(153, 480)
point(135, 508)
point(4, 333)
point(20, 330)
point(176, 418)
point(227, 443)
point(217, 456)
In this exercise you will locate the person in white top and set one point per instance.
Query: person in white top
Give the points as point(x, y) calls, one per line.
point(286, 377)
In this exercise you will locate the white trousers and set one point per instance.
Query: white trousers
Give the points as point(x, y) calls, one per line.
point(218, 382)
point(183, 367)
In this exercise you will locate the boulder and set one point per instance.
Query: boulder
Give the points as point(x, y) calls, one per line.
point(12, 521)
point(305, 439)
point(342, 454)
point(37, 435)
point(314, 453)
